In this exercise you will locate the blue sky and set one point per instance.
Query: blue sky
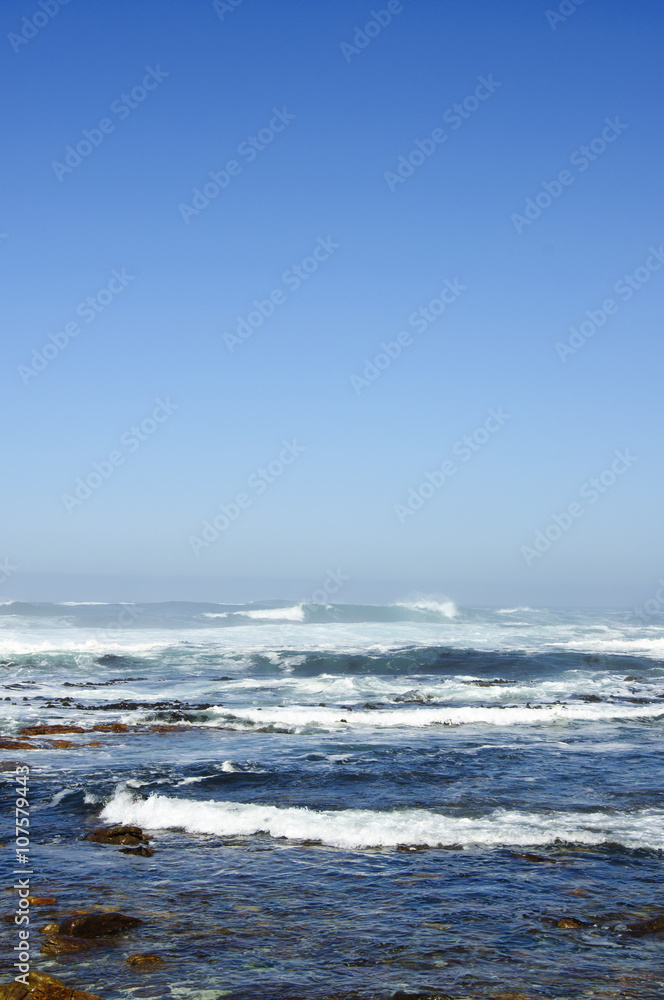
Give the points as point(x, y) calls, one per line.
point(347, 107)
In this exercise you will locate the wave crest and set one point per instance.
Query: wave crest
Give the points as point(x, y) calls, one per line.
point(361, 828)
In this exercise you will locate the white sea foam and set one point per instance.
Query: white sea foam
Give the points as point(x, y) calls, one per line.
point(358, 828)
point(84, 604)
point(294, 614)
point(424, 602)
point(299, 717)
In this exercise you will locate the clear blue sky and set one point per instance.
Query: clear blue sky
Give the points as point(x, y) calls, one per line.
point(219, 76)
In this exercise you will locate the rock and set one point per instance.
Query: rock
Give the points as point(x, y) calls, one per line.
point(7, 743)
point(643, 927)
point(50, 929)
point(62, 944)
point(143, 852)
point(127, 835)
point(94, 925)
point(64, 744)
point(52, 992)
point(110, 727)
point(144, 960)
point(535, 858)
point(569, 923)
point(42, 900)
point(49, 730)
point(13, 991)
point(423, 995)
point(44, 987)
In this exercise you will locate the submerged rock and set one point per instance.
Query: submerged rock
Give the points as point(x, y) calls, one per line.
point(643, 927)
point(143, 852)
point(49, 730)
point(63, 944)
point(94, 925)
point(535, 858)
point(423, 995)
point(130, 836)
point(144, 960)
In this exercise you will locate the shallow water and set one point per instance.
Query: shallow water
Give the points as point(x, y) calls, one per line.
point(349, 800)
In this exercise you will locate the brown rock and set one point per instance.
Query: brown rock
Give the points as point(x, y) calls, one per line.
point(128, 835)
point(643, 927)
point(424, 995)
point(42, 900)
point(568, 924)
point(40, 978)
point(64, 744)
point(94, 925)
point(535, 858)
point(13, 991)
point(49, 730)
point(62, 944)
point(144, 960)
point(49, 988)
point(7, 743)
point(50, 929)
point(110, 727)
point(51, 992)
point(143, 852)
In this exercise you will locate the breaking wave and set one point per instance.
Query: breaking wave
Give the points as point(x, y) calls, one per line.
point(361, 828)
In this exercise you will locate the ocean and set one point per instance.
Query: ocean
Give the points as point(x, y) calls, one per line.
point(343, 800)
